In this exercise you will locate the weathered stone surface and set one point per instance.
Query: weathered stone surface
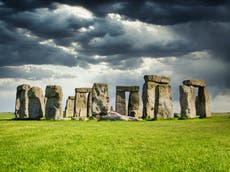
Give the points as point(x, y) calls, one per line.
point(187, 101)
point(149, 99)
point(203, 103)
point(100, 99)
point(69, 108)
point(89, 104)
point(195, 83)
point(36, 103)
point(134, 104)
point(114, 116)
point(120, 102)
point(157, 79)
point(80, 105)
point(83, 90)
point(127, 88)
point(164, 105)
point(54, 102)
point(22, 101)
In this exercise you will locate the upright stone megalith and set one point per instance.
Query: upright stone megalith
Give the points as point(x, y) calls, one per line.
point(157, 97)
point(134, 104)
point(190, 107)
point(22, 101)
point(36, 103)
point(120, 102)
point(82, 104)
point(54, 102)
point(100, 99)
point(187, 101)
point(69, 108)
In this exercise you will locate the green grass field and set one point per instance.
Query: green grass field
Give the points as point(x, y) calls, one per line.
point(163, 145)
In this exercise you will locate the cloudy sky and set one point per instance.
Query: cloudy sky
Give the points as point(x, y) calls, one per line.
point(77, 43)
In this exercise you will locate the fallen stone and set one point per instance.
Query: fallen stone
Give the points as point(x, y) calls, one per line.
point(114, 116)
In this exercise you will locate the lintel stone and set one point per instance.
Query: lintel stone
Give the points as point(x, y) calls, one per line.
point(157, 79)
point(127, 88)
point(195, 83)
point(83, 90)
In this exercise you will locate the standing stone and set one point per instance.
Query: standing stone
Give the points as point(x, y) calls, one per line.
point(203, 103)
point(187, 101)
point(21, 105)
point(120, 102)
point(164, 105)
point(100, 99)
point(54, 102)
point(69, 108)
point(89, 104)
point(80, 105)
point(149, 98)
point(134, 104)
point(36, 103)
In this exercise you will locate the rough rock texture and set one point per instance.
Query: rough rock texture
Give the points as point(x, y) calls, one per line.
point(195, 83)
point(114, 116)
point(89, 104)
point(149, 98)
point(203, 103)
point(187, 101)
point(134, 104)
point(69, 108)
point(22, 101)
point(120, 102)
point(127, 88)
point(54, 102)
point(80, 107)
point(164, 105)
point(157, 79)
point(36, 103)
point(83, 90)
point(100, 99)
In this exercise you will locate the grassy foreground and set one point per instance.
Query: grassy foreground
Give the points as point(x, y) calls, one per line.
point(164, 145)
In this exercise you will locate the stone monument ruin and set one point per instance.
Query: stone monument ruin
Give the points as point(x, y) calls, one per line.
point(21, 105)
point(133, 103)
point(157, 97)
point(100, 99)
point(69, 108)
point(36, 103)
point(191, 106)
point(83, 102)
point(53, 107)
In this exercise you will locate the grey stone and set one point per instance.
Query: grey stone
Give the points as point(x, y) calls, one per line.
point(69, 108)
point(89, 104)
point(195, 83)
point(80, 105)
point(54, 102)
point(164, 105)
point(36, 103)
point(127, 88)
point(203, 103)
point(114, 116)
point(120, 102)
point(83, 90)
point(100, 99)
point(134, 104)
point(157, 79)
point(187, 101)
point(22, 101)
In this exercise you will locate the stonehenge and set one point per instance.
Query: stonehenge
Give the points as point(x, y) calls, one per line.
point(95, 102)
point(100, 99)
point(157, 97)
point(82, 104)
point(36, 103)
point(53, 109)
point(69, 108)
point(22, 101)
point(191, 106)
point(133, 103)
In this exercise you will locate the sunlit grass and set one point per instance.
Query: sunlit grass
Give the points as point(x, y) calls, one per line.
point(164, 145)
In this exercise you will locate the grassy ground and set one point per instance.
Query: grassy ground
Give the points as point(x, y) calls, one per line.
point(164, 145)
